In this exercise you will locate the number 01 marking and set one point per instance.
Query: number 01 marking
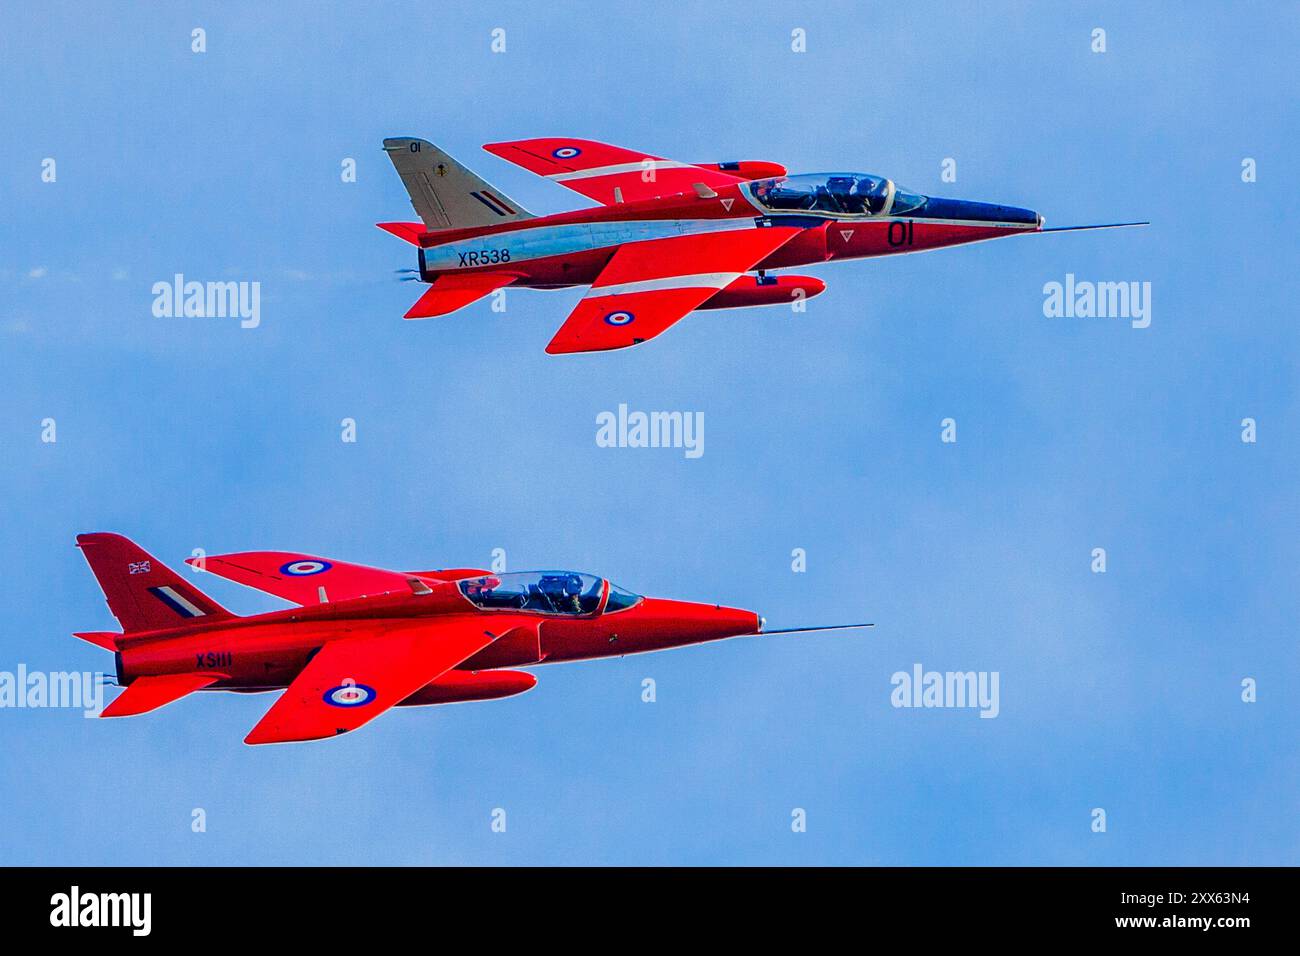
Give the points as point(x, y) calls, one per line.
point(901, 237)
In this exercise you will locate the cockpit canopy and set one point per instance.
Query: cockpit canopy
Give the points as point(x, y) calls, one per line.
point(546, 592)
point(837, 194)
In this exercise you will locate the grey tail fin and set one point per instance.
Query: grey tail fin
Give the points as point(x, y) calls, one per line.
point(444, 193)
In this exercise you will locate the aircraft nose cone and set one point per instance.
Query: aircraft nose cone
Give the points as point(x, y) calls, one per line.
point(659, 622)
point(734, 620)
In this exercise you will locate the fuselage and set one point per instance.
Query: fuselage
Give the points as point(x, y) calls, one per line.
point(571, 248)
point(266, 651)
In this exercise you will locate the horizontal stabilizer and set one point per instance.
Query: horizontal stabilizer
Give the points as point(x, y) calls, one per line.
point(149, 693)
point(452, 292)
point(105, 639)
point(407, 231)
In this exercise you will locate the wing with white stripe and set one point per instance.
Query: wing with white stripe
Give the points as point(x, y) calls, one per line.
point(605, 173)
point(647, 286)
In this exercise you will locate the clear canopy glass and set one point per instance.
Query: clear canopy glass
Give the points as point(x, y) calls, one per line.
point(544, 592)
point(905, 201)
point(619, 599)
point(839, 194)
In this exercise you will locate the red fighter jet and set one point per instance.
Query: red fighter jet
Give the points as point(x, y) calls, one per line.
point(365, 639)
point(669, 237)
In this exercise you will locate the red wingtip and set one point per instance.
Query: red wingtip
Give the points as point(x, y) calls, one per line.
point(566, 343)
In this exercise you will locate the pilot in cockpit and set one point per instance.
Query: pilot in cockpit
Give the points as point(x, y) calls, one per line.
point(845, 198)
point(563, 592)
point(560, 593)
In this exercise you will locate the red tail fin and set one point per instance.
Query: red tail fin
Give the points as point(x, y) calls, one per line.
point(142, 592)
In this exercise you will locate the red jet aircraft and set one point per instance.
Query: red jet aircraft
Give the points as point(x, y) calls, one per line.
point(669, 237)
point(365, 639)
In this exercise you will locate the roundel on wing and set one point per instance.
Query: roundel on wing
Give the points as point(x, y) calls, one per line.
point(621, 317)
point(349, 694)
point(566, 152)
point(302, 569)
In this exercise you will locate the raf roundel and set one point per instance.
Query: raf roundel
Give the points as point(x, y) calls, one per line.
point(349, 695)
point(302, 569)
point(566, 152)
point(619, 318)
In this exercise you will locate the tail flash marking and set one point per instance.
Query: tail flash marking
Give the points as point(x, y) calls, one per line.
point(487, 202)
point(177, 602)
point(498, 200)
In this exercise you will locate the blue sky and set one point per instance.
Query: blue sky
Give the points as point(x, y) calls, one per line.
point(1119, 690)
